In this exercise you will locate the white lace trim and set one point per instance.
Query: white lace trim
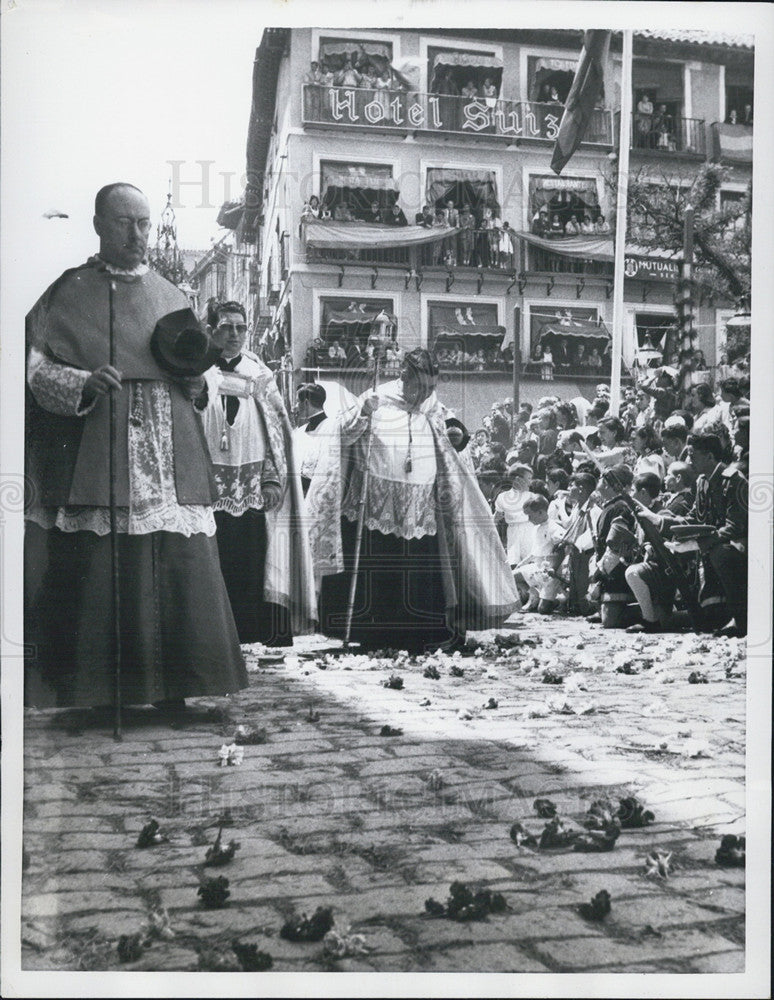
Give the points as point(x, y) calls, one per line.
point(181, 519)
point(406, 510)
point(238, 487)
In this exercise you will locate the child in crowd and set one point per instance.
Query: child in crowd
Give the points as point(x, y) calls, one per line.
point(509, 507)
point(538, 574)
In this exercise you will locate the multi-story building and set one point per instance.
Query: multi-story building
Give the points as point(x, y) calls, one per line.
point(466, 120)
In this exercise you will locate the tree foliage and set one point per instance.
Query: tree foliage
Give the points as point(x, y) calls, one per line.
point(722, 236)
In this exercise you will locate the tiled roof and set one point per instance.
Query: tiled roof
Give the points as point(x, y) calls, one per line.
point(701, 37)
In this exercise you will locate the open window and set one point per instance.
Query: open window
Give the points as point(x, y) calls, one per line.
point(739, 103)
point(467, 188)
point(450, 71)
point(550, 79)
point(577, 341)
point(565, 198)
point(356, 187)
point(362, 54)
point(344, 338)
point(466, 337)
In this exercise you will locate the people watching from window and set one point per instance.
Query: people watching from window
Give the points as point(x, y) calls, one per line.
point(600, 226)
point(747, 115)
point(571, 227)
point(343, 213)
point(470, 90)
point(311, 209)
point(348, 76)
point(587, 226)
point(731, 119)
point(643, 120)
point(395, 216)
point(426, 217)
point(540, 222)
point(374, 213)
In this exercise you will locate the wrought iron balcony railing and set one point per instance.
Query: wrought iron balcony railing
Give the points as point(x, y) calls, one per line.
point(667, 135)
point(403, 111)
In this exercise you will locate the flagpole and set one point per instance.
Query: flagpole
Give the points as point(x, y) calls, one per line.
point(625, 131)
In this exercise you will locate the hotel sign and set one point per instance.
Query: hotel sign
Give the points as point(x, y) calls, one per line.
point(651, 268)
point(437, 112)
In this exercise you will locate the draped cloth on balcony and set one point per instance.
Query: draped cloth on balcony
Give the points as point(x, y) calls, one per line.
point(733, 143)
point(365, 235)
point(587, 247)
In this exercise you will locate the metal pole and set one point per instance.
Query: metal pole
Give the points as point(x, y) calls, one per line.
point(361, 513)
point(117, 735)
point(620, 223)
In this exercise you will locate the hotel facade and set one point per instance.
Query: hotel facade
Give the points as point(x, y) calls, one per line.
point(460, 125)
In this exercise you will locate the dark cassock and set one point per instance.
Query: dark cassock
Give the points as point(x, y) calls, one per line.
point(264, 553)
point(177, 631)
point(431, 562)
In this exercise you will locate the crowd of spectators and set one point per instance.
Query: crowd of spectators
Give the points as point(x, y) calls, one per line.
point(560, 477)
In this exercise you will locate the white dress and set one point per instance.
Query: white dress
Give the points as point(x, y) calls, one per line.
point(520, 532)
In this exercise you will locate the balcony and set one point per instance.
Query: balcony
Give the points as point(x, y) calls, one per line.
point(671, 137)
point(544, 262)
point(403, 112)
point(472, 249)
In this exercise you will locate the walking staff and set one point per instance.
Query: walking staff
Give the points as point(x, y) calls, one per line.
point(115, 569)
point(379, 341)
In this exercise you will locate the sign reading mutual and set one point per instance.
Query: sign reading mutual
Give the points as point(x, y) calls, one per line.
point(437, 112)
point(651, 268)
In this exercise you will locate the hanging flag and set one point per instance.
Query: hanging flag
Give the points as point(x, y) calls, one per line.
point(582, 99)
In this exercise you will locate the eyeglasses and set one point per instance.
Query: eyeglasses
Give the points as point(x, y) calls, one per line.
point(239, 328)
point(126, 222)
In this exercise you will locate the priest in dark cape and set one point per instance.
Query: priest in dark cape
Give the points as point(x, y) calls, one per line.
point(431, 564)
point(178, 637)
point(259, 510)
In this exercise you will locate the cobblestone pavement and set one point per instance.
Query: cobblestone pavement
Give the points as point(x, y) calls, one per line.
point(328, 812)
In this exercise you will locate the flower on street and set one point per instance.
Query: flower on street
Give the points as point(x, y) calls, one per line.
point(342, 944)
point(230, 755)
point(598, 908)
point(151, 835)
point(657, 864)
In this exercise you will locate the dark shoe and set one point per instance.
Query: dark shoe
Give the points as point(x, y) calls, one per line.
point(595, 619)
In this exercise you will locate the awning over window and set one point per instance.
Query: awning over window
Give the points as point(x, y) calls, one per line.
point(463, 322)
point(370, 177)
point(561, 65)
point(472, 187)
point(345, 46)
point(587, 329)
point(354, 314)
point(574, 193)
point(466, 59)
point(364, 235)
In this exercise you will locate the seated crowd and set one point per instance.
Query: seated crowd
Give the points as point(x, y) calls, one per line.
point(579, 495)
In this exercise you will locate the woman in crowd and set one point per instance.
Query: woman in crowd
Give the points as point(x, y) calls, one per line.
point(648, 449)
point(705, 407)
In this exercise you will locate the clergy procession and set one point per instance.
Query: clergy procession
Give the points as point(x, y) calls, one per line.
point(176, 513)
point(392, 568)
point(168, 522)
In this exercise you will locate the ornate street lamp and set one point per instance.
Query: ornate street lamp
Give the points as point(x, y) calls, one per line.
point(165, 257)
